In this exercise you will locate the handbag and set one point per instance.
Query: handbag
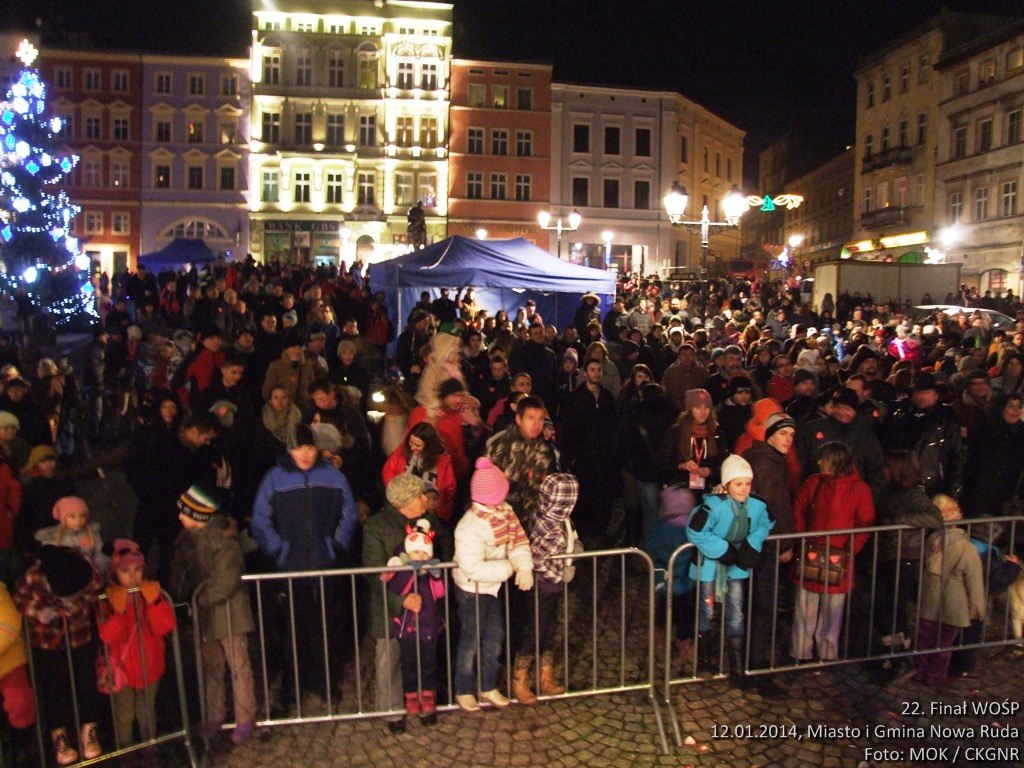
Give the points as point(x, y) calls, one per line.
point(824, 565)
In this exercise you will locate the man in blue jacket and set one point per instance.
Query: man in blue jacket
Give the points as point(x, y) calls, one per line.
point(304, 511)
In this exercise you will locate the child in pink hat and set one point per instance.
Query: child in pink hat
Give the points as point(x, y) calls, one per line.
point(75, 530)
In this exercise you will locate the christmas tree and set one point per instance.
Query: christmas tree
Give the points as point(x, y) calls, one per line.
point(37, 251)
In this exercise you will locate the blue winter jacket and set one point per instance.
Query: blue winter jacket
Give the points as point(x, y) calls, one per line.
point(298, 517)
point(709, 525)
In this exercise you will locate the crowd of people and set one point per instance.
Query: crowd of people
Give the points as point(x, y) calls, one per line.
point(274, 419)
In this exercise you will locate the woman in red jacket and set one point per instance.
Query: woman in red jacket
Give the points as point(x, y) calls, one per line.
point(422, 454)
point(134, 661)
point(833, 499)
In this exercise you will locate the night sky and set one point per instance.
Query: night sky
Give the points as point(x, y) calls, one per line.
point(767, 67)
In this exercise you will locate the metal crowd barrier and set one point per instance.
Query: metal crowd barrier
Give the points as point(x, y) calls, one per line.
point(181, 729)
point(612, 657)
point(866, 636)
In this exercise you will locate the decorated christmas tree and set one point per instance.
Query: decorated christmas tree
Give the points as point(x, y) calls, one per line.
point(37, 251)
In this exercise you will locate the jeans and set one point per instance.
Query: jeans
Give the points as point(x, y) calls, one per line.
point(734, 626)
point(427, 669)
point(542, 631)
point(489, 632)
point(649, 497)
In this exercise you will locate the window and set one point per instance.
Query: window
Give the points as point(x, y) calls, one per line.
point(728, 169)
point(229, 85)
point(92, 127)
point(228, 130)
point(962, 83)
point(304, 128)
point(428, 77)
point(300, 191)
point(905, 78)
point(162, 176)
point(885, 138)
point(367, 130)
point(611, 139)
point(867, 200)
point(524, 98)
point(922, 128)
point(92, 80)
point(524, 143)
point(194, 132)
point(981, 203)
point(707, 168)
point(901, 191)
point(303, 67)
point(987, 72)
point(94, 223)
point(1014, 61)
point(499, 186)
point(985, 135)
point(684, 150)
point(404, 131)
point(477, 95)
point(902, 138)
point(1013, 132)
point(524, 187)
point(271, 127)
point(335, 130)
point(119, 81)
point(121, 128)
point(882, 195)
point(334, 188)
point(475, 144)
point(367, 73)
point(196, 85)
point(1008, 204)
point(580, 191)
point(611, 193)
point(869, 92)
point(718, 164)
point(923, 63)
point(499, 96)
point(641, 195)
point(366, 188)
point(869, 145)
point(162, 83)
point(336, 70)
point(499, 141)
point(404, 189)
point(959, 141)
point(195, 177)
point(919, 189)
point(474, 185)
point(405, 75)
point(956, 206)
point(119, 173)
point(270, 187)
point(227, 178)
point(428, 132)
point(62, 77)
point(581, 138)
point(272, 69)
point(642, 142)
point(886, 87)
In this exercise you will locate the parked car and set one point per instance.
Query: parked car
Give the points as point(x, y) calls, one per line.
point(993, 319)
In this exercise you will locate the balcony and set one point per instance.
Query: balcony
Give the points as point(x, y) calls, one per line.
point(887, 158)
point(882, 218)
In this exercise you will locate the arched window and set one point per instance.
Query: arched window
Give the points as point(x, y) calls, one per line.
point(202, 229)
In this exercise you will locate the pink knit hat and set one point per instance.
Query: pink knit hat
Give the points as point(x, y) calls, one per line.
point(126, 552)
point(489, 485)
point(695, 397)
point(67, 506)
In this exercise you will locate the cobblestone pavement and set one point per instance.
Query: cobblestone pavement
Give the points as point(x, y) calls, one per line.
point(830, 718)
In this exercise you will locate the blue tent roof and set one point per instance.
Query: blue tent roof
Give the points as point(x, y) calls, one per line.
point(463, 261)
point(181, 250)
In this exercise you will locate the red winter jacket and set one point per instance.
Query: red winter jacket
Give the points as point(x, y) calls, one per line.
point(830, 503)
point(445, 482)
point(10, 505)
point(119, 632)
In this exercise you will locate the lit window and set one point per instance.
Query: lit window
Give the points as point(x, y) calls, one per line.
point(162, 176)
point(194, 132)
point(270, 187)
point(119, 173)
point(477, 95)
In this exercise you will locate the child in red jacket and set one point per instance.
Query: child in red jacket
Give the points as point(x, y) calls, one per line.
point(132, 627)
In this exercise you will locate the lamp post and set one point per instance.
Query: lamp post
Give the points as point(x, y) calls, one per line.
point(795, 241)
point(734, 205)
point(607, 236)
point(570, 225)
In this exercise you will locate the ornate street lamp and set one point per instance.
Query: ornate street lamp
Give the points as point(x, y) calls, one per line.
point(573, 223)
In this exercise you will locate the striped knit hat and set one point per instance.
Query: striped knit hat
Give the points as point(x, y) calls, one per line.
point(489, 485)
point(198, 504)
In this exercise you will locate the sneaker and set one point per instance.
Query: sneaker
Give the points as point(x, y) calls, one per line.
point(429, 703)
point(62, 748)
point(496, 698)
point(90, 742)
point(467, 702)
point(396, 727)
point(412, 704)
point(242, 732)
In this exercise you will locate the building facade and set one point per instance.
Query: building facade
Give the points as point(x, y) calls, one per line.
point(349, 127)
point(195, 146)
point(99, 97)
point(616, 152)
point(500, 151)
point(823, 223)
point(980, 162)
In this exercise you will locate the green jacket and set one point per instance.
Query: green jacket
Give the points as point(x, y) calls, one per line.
point(383, 532)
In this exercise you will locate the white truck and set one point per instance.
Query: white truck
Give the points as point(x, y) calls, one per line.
point(885, 281)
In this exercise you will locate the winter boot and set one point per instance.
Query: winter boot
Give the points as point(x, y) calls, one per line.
point(90, 742)
point(549, 686)
point(429, 702)
point(412, 703)
point(736, 676)
point(521, 681)
point(707, 653)
point(62, 748)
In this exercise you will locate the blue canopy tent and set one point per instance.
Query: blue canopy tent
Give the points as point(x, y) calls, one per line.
point(181, 250)
point(504, 273)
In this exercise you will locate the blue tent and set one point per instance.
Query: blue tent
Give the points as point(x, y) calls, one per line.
point(181, 250)
point(505, 274)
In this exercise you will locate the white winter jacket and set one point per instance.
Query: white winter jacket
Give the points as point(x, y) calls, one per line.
point(481, 564)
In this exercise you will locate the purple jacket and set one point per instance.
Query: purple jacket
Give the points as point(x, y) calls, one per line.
point(431, 589)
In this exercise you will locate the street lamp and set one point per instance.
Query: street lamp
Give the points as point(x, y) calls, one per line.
point(573, 223)
point(734, 206)
point(481, 234)
point(607, 236)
